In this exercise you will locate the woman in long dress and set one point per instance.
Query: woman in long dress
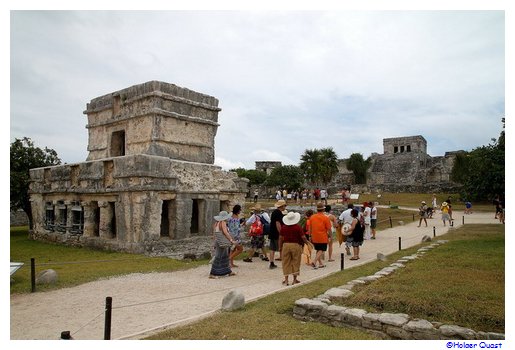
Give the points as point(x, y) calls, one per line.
point(221, 264)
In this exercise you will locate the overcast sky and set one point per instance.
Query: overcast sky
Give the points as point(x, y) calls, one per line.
point(286, 81)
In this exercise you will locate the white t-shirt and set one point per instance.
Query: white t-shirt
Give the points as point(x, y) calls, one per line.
point(367, 215)
point(346, 216)
point(373, 214)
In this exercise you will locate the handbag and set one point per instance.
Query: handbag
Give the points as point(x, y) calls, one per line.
point(222, 240)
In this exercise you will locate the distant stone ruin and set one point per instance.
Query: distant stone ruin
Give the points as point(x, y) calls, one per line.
point(149, 184)
point(404, 166)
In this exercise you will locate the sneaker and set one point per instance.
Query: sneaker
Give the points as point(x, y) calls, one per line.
point(247, 260)
point(272, 265)
point(264, 258)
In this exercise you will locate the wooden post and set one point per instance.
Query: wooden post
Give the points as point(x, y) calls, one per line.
point(107, 324)
point(32, 275)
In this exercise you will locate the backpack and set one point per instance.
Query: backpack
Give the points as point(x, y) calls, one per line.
point(266, 225)
point(359, 229)
point(256, 229)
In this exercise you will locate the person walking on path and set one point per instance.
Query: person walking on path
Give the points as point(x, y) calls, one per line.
point(366, 217)
point(356, 231)
point(275, 229)
point(320, 231)
point(422, 212)
point(346, 218)
point(433, 203)
point(445, 213)
point(291, 241)
point(373, 219)
point(256, 194)
point(308, 248)
point(257, 239)
point(333, 221)
point(234, 227)
point(221, 265)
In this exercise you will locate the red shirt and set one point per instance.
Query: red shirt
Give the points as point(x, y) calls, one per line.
point(292, 234)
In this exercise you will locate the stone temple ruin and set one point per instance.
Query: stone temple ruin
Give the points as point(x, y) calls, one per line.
point(149, 184)
point(404, 166)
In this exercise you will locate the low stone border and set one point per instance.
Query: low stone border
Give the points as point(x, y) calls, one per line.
point(388, 325)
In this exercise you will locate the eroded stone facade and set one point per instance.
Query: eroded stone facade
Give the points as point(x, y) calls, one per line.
point(149, 184)
point(404, 166)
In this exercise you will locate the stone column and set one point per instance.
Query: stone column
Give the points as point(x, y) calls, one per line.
point(184, 208)
point(90, 224)
point(106, 216)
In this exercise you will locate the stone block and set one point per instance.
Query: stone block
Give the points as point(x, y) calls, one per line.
point(371, 321)
point(233, 300)
point(381, 256)
point(398, 333)
point(338, 294)
point(397, 320)
point(453, 332)
point(47, 277)
point(353, 317)
point(426, 238)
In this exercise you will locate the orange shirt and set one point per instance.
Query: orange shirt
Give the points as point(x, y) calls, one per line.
point(319, 225)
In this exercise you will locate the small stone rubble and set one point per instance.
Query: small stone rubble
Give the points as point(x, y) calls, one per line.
point(387, 325)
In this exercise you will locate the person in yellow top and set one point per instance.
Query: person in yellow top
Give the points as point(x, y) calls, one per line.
point(320, 231)
point(445, 213)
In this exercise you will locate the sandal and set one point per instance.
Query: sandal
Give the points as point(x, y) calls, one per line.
point(321, 266)
point(330, 260)
point(353, 258)
point(286, 283)
point(296, 281)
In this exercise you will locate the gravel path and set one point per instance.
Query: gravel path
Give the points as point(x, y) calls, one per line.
point(146, 303)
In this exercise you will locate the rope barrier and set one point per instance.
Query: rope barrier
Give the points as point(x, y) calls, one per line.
point(94, 318)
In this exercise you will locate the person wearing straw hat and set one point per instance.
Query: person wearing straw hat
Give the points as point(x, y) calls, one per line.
point(445, 213)
point(257, 240)
point(320, 231)
point(275, 229)
point(221, 264)
point(423, 213)
point(291, 240)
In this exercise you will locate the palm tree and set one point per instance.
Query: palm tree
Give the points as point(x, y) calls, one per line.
point(319, 165)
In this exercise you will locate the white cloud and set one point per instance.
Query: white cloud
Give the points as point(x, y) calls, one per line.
point(286, 81)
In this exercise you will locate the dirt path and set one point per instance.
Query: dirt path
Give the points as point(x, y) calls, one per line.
point(146, 303)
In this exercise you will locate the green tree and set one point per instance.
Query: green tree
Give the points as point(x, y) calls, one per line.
point(359, 166)
point(286, 176)
point(319, 166)
point(24, 156)
point(256, 177)
point(482, 171)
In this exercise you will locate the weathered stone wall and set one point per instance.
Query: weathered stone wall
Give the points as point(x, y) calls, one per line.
point(136, 186)
point(149, 185)
point(155, 118)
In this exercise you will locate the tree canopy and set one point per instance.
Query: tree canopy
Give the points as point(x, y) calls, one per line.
point(256, 177)
point(482, 171)
point(359, 166)
point(287, 177)
point(24, 156)
point(319, 166)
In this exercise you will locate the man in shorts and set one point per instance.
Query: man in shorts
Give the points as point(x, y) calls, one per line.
point(320, 231)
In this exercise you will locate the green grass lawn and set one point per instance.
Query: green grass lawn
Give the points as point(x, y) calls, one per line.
point(397, 199)
point(75, 266)
point(461, 282)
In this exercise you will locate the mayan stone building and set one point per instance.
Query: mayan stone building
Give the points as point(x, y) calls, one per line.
point(149, 184)
point(405, 166)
